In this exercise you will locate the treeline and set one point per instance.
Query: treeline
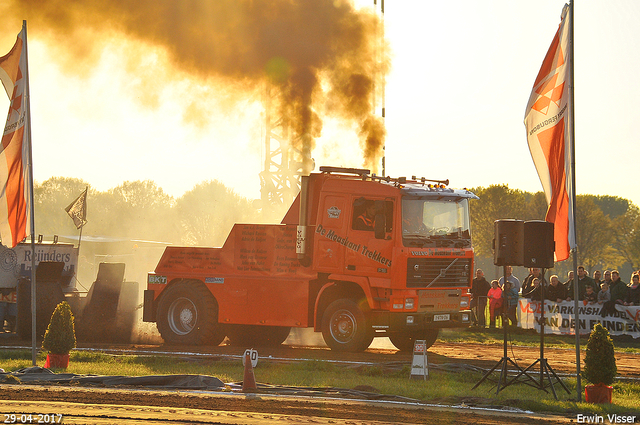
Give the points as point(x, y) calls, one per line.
point(608, 227)
point(142, 210)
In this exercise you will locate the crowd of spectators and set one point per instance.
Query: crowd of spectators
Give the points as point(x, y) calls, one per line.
point(604, 288)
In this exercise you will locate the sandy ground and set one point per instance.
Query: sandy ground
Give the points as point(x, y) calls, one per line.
point(102, 406)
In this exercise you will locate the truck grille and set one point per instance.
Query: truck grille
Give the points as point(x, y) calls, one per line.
point(438, 272)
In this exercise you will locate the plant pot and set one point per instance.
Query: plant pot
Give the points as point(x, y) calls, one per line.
point(60, 361)
point(599, 393)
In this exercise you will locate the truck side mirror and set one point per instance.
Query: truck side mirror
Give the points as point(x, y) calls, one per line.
point(379, 226)
point(380, 223)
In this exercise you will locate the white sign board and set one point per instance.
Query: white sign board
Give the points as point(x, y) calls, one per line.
point(560, 318)
point(16, 262)
point(253, 355)
point(420, 365)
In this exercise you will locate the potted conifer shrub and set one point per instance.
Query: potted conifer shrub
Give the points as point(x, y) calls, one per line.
point(599, 366)
point(60, 337)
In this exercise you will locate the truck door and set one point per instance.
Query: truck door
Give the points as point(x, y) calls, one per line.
point(371, 256)
point(331, 234)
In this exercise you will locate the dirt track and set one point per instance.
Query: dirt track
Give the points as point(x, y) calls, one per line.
point(82, 405)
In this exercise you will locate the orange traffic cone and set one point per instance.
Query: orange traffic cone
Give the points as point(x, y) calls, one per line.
point(249, 381)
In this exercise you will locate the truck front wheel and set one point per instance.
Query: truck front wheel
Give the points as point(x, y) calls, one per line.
point(345, 327)
point(404, 341)
point(188, 315)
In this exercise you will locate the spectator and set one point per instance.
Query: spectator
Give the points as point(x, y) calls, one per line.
point(633, 293)
point(618, 288)
point(604, 294)
point(510, 296)
point(618, 291)
point(555, 290)
point(479, 289)
point(590, 297)
point(527, 285)
point(597, 278)
point(495, 302)
point(568, 287)
point(515, 283)
point(536, 292)
point(583, 281)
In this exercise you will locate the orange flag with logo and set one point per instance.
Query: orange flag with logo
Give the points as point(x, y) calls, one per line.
point(14, 150)
point(548, 120)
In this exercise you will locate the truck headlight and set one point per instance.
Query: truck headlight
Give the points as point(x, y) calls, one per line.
point(408, 304)
point(464, 302)
point(409, 320)
point(465, 317)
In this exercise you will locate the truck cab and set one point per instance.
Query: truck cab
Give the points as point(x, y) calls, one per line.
point(413, 263)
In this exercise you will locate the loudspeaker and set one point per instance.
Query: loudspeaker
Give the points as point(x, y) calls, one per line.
point(539, 244)
point(508, 242)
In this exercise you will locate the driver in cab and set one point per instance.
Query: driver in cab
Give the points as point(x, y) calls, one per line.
point(412, 219)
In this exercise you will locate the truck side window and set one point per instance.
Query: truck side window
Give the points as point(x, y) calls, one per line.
point(364, 214)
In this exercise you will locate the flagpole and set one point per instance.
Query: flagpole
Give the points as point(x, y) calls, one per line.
point(31, 200)
point(573, 200)
point(81, 227)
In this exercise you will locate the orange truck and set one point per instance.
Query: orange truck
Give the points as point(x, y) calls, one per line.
point(356, 256)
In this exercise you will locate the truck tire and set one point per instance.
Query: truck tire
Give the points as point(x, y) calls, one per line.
point(188, 315)
point(405, 341)
point(255, 336)
point(345, 327)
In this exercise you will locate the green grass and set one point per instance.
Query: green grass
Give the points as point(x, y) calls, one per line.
point(529, 337)
point(444, 387)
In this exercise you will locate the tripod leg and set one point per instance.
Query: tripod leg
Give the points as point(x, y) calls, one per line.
point(503, 375)
point(545, 367)
point(557, 377)
point(486, 375)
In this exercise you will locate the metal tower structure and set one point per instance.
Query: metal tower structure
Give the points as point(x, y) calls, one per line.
point(283, 161)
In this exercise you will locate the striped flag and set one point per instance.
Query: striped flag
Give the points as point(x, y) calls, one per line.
point(15, 185)
point(548, 120)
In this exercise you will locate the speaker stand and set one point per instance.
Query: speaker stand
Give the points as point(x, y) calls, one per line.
point(545, 369)
point(505, 360)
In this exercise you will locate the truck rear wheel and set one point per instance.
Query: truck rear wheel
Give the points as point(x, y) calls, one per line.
point(345, 327)
point(404, 341)
point(188, 315)
point(254, 335)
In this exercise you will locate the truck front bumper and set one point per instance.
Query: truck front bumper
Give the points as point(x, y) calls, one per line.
point(417, 321)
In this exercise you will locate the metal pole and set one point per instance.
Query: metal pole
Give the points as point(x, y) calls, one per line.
point(573, 195)
point(31, 200)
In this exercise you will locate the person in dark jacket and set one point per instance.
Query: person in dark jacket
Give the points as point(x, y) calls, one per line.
point(535, 293)
point(633, 293)
point(555, 290)
point(619, 291)
point(479, 289)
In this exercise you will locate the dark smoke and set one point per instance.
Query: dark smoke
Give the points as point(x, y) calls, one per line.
point(308, 49)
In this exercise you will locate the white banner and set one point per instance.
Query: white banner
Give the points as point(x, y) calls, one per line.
point(560, 318)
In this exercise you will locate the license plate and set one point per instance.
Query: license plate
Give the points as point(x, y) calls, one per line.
point(441, 317)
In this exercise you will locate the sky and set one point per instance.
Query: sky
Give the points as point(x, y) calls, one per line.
point(455, 96)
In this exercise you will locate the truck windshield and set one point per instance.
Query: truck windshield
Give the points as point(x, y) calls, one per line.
point(427, 221)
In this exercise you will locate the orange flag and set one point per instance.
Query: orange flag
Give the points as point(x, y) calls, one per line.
point(14, 150)
point(549, 131)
